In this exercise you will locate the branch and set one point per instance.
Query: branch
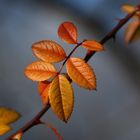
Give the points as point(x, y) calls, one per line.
point(112, 33)
point(89, 54)
point(78, 44)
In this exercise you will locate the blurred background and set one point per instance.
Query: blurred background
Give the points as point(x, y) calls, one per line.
point(110, 113)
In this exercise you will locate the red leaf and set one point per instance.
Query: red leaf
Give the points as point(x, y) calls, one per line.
point(43, 89)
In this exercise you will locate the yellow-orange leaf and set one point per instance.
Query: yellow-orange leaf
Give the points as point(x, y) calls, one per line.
point(18, 136)
point(68, 32)
point(40, 71)
point(48, 51)
point(4, 128)
point(81, 73)
point(92, 45)
point(132, 32)
point(8, 116)
point(43, 91)
point(61, 97)
point(127, 8)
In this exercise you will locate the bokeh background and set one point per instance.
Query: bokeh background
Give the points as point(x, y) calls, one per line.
point(110, 113)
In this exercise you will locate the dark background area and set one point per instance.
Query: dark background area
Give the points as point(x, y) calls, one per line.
point(110, 113)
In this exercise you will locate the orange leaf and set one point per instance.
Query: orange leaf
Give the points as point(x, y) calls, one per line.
point(42, 86)
point(132, 32)
point(43, 91)
point(68, 32)
point(40, 71)
point(48, 51)
point(92, 45)
point(61, 97)
point(81, 73)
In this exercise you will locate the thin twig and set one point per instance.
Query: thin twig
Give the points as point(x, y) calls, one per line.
point(78, 44)
point(112, 33)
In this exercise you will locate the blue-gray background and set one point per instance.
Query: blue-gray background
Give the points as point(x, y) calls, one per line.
point(110, 113)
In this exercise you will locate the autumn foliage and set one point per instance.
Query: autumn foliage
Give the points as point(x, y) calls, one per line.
point(7, 117)
point(54, 87)
point(132, 31)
